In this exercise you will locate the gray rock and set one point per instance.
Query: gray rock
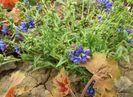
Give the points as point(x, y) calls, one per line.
point(124, 85)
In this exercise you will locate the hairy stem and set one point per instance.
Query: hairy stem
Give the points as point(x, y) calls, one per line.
point(87, 85)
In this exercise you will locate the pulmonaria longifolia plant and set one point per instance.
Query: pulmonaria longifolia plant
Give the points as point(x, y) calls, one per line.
point(101, 26)
point(5, 46)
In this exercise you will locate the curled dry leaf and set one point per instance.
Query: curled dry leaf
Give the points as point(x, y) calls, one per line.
point(61, 85)
point(105, 71)
point(16, 79)
point(8, 3)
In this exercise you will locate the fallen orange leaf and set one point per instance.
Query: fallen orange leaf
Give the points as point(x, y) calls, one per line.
point(62, 83)
point(8, 3)
point(10, 92)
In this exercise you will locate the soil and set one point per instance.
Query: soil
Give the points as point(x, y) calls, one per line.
point(37, 83)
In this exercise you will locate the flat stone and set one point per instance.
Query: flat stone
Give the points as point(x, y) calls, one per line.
point(33, 84)
point(123, 84)
point(38, 91)
point(7, 67)
point(129, 74)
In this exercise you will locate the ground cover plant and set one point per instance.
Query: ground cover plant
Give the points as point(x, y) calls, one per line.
point(68, 34)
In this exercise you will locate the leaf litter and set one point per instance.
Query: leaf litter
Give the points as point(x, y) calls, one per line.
point(16, 78)
point(105, 71)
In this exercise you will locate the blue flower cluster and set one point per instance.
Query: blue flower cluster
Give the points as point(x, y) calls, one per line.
point(4, 29)
point(2, 45)
point(79, 55)
point(106, 4)
point(129, 31)
point(131, 41)
point(91, 91)
point(24, 26)
point(31, 22)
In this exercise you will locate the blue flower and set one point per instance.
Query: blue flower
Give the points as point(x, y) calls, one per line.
point(99, 18)
point(23, 27)
point(79, 55)
point(25, 1)
point(5, 29)
point(107, 5)
point(17, 35)
point(91, 91)
point(79, 50)
point(131, 41)
point(31, 22)
point(17, 49)
point(119, 29)
point(2, 45)
point(128, 30)
point(30, 18)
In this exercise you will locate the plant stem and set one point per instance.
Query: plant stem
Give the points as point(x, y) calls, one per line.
point(73, 95)
point(87, 85)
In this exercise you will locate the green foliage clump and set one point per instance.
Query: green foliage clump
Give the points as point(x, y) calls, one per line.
point(60, 24)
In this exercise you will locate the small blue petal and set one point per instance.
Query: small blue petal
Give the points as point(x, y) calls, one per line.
point(17, 49)
point(99, 18)
point(83, 59)
point(2, 45)
point(119, 29)
point(76, 60)
point(31, 25)
point(30, 18)
point(31, 22)
point(5, 29)
point(131, 41)
point(17, 35)
point(23, 26)
point(86, 52)
point(128, 30)
point(91, 91)
point(79, 50)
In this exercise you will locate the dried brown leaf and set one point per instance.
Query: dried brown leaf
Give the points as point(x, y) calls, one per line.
point(105, 71)
point(62, 84)
point(16, 79)
point(15, 14)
